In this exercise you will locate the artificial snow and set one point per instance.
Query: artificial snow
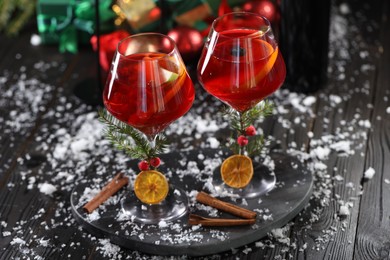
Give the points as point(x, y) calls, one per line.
point(18, 241)
point(108, 249)
point(344, 210)
point(162, 224)
point(369, 173)
point(6, 233)
point(309, 100)
point(35, 40)
point(47, 188)
point(344, 8)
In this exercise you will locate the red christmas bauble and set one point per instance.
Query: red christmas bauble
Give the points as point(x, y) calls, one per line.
point(108, 44)
point(265, 8)
point(188, 40)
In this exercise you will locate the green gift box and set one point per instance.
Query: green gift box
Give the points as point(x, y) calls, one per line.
point(214, 4)
point(191, 12)
point(69, 22)
point(188, 13)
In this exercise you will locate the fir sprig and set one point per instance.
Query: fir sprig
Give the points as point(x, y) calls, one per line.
point(129, 140)
point(240, 121)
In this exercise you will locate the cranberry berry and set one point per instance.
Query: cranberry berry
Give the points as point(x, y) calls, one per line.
point(143, 165)
point(242, 140)
point(250, 130)
point(155, 162)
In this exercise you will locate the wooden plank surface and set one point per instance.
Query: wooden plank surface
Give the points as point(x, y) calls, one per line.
point(333, 236)
point(373, 236)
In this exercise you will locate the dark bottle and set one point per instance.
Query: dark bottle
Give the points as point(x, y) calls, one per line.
point(304, 41)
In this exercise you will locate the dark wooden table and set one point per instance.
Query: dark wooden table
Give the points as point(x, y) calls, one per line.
point(348, 216)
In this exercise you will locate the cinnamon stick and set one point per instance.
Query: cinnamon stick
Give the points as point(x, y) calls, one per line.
point(206, 199)
point(219, 222)
point(110, 189)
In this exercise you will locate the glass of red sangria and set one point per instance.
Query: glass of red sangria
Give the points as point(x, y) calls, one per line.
point(147, 88)
point(241, 65)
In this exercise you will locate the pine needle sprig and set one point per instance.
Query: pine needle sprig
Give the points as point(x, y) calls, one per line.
point(126, 138)
point(240, 121)
point(255, 146)
point(233, 146)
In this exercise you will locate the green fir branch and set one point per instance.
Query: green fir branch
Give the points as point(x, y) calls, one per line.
point(255, 145)
point(233, 146)
point(126, 138)
point(240, 121)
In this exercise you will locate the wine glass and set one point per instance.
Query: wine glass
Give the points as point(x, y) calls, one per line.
point(241, 65)
point(148, 88)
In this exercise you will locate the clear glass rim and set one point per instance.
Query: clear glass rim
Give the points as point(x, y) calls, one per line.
point(171, 49)
point(264, 19)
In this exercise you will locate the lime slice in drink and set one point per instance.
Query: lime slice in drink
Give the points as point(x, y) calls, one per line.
point(168, 76)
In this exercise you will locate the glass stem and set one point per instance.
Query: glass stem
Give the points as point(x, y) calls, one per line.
point(241, 150)
point(152, 140)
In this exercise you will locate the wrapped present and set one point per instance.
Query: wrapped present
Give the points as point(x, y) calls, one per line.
point(142, 15)
point(189, 12)
point(69, 22)
point(215, 5)
point(197, 13)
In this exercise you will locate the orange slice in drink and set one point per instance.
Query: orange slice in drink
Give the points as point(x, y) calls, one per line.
point(174, 76)
point(165, 72)
point(237, 171)
point(267, 49)
point(151, 187)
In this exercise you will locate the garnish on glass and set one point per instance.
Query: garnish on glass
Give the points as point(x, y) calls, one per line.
point(150, 186)
point(237, 170)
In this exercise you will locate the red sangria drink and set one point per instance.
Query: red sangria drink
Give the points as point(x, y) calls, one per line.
point(149, 103)
point(241, 65)
point(147, 88)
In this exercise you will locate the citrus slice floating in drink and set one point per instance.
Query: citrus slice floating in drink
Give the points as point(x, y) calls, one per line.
point(174, 75)
point(271, 54)
point(151, 187)
point(167, 75)
point(237, 171)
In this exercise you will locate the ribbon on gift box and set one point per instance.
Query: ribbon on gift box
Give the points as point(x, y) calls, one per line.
point(60, 21)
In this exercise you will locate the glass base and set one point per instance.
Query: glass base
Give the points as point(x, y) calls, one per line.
point(263, 181)
point(173, 207)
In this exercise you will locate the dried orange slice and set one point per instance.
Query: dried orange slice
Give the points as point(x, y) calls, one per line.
point(151, 187)
point(237, 171)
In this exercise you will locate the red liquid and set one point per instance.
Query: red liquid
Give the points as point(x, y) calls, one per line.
point(148, 93)
point(242, 71)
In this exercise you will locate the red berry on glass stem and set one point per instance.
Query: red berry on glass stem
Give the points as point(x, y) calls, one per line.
point(155, 162)
point(143, 165)
point(250, 130)
point(242, 140)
